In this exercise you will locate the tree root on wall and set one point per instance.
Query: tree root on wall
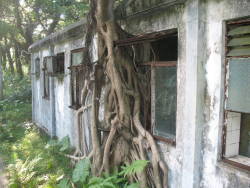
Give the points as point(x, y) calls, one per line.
point(125, 139)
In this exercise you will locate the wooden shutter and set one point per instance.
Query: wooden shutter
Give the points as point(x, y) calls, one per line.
point(238, 40)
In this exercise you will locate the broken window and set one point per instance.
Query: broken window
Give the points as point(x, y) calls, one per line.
point(45, 78)
point(156, 54)
point(77, 77)
point(237, 103)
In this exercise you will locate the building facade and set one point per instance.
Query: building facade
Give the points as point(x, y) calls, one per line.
point(200, 101)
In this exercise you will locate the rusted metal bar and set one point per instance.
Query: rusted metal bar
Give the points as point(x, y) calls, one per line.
point(160, 63)
point(233, 22)
point(77, 50)
point(167, 140)
point(146, 37)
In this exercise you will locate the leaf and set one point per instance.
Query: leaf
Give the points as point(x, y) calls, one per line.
point(108, 185)
point(95, 180)
point(81, 171)
point(133, 185)
point(64, 143)
point(64, 183)
point(136, 167)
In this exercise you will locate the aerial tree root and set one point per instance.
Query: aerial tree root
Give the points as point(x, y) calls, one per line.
point(120, 138)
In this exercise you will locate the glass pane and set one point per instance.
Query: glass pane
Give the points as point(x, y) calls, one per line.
point(165, 101)
point(245, 135)
point(77, 58)
point(238, 85)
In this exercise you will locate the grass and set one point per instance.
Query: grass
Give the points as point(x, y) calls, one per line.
point(30, 159)
point(34, 160)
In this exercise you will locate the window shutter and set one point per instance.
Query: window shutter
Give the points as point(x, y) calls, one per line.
point(238, 41)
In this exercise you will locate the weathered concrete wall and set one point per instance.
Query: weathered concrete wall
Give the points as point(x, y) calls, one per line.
point(195, 160)
point(65, 115)
point(42, 108)
point(214, 172)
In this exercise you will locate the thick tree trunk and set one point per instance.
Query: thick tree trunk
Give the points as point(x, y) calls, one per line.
point(1, 79)
point(122, 138)
point(18, 64)
point(10, 61)
point(4, 61)
point(125, 125)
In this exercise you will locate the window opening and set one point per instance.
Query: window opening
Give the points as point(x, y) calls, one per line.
point(236, 136)
point(45, 79)
point(77, 77)
point(37, 67)
point(60, 63)
point(157, 54)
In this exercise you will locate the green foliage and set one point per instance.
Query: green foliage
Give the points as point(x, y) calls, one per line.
point(64, 143)
point(23, 173)
point(31, 160)
point(81, 171)
point(136, 167)
point(33, 164)
point(16, 106)
point(64, 183)
point(82, 177)
point(35, 161)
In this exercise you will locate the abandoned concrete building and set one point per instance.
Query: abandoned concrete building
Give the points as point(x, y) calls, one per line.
point(200, 93)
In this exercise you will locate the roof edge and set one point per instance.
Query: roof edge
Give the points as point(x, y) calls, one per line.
point(71, 31)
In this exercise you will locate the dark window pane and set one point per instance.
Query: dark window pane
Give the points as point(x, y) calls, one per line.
point(165, 49)
point(245, 135)
point(165, 101)
point(238, 85)
point(60, 63)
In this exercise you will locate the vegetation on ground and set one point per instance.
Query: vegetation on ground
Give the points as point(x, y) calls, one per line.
point(34, 160)
point(23, 147)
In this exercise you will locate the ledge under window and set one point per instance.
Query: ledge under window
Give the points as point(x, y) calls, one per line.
point(238, 161)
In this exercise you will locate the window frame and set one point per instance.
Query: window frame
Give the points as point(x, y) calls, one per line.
point(225, 111)
point(46, 92)
point(151, 37)
point(75, 105)
point(153, 65)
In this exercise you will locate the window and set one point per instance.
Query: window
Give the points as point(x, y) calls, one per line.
point(59, 63)
point(164, 88)
point(45, 78)
point(77, 77)
point(157, 56)
point(236, 148)
point(37, 67)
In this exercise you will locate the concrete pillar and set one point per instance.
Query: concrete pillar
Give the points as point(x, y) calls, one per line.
point(194, 95)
